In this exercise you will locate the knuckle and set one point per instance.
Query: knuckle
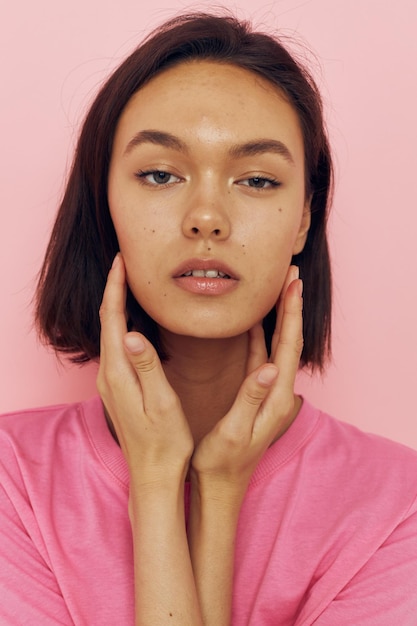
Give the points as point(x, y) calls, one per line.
point(104, 312)
point(170, 404)
point(253, 399)
point(299, 345)
point(146, 364)
point(233, 438)
point(110, 377)
point(255, 395)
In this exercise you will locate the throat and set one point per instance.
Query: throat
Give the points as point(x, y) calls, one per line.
point(207, 383)
point(205, 405)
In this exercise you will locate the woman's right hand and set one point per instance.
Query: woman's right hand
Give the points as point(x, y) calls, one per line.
point(144, 410)
point(152, 430)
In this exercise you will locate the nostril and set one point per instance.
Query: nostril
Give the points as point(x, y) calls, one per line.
point(216, 231)
point(194, 230)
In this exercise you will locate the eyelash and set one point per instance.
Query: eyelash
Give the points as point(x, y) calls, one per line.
point(143, 174)
point(272, 182)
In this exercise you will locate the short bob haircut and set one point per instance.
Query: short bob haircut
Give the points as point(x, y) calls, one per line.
point(83, 241)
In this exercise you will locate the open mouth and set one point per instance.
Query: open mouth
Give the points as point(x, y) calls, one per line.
point(206, 274)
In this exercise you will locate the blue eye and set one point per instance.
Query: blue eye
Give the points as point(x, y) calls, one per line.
point(156, 177)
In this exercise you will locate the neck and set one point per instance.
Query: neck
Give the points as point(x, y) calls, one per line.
point(206, 375)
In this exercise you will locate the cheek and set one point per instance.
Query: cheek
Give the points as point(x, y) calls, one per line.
point(272, 256)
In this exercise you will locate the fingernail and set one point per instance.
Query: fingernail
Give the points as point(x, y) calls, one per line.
point(267, 375)
point(116, 260)
point(295, 272)
point(300, 287)
point(134, 344)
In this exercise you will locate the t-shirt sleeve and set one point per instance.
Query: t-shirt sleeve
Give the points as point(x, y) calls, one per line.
point(29, 592)
point(384, 591)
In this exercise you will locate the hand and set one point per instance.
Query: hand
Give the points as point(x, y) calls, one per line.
point(265, 405)
point(145, 411)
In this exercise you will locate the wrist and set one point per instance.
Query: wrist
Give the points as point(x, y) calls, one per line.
point(218, 486)
point(215, 501)
point(156, 498)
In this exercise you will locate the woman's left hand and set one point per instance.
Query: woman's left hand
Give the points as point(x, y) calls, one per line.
point(265, 405)
point(224, 460)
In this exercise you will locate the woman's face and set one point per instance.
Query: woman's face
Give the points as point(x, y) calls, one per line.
point(207, 195)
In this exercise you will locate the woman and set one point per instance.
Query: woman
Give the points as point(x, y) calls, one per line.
point(198, 488)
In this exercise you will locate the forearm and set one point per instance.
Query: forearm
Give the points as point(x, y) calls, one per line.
point(165, 591)
point(212, 531)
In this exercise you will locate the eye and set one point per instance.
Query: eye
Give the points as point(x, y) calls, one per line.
point(157, 178)
point(259, 182)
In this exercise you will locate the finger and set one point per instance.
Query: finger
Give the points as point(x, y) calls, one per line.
point(112, 309)
point(292, 274)
point(257, 354)
point(280, 404)
point(114, 370)
point(158, 395)
point(240, 420)
point(290, 341)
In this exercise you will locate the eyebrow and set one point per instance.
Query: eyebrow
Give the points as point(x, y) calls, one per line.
point(261, 146)
point(158, 138)
point(250, 148)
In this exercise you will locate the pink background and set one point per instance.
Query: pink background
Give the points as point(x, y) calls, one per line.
point(53, 57)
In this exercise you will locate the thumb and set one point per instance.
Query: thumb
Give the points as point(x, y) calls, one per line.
point(256, 387)
point(250, 397)
point(141, 355)
point(158, 395)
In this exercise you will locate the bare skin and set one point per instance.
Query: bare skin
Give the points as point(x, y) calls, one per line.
point(192, 195)
point(190, 579)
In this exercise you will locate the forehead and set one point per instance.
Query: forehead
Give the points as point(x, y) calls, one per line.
point(222, 101)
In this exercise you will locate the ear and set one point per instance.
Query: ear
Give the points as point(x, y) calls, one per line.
point(303, 230)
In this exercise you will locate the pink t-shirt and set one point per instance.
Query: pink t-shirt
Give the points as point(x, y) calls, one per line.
point(327, 533)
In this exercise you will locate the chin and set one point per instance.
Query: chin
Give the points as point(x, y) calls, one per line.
point(205, 331)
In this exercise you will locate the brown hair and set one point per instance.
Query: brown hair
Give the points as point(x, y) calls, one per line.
point(83, 241)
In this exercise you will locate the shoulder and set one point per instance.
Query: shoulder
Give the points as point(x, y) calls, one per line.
point(15, 420)
point(35, 422)
point(365, 464)
point(332, 461)
point(352, 443)
point(34, 433)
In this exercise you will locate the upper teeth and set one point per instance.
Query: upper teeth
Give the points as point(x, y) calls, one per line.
point(206, 274)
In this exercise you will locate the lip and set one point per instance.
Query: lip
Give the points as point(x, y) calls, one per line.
point(204, 285)
point(204, 264)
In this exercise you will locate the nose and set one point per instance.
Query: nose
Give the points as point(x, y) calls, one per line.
point(207, 218)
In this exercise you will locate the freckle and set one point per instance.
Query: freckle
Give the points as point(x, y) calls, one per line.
point(153, 230)
point(280, 210)
point(208, 249)
point(149, 282)
point(243, 245)
point(165, 295)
